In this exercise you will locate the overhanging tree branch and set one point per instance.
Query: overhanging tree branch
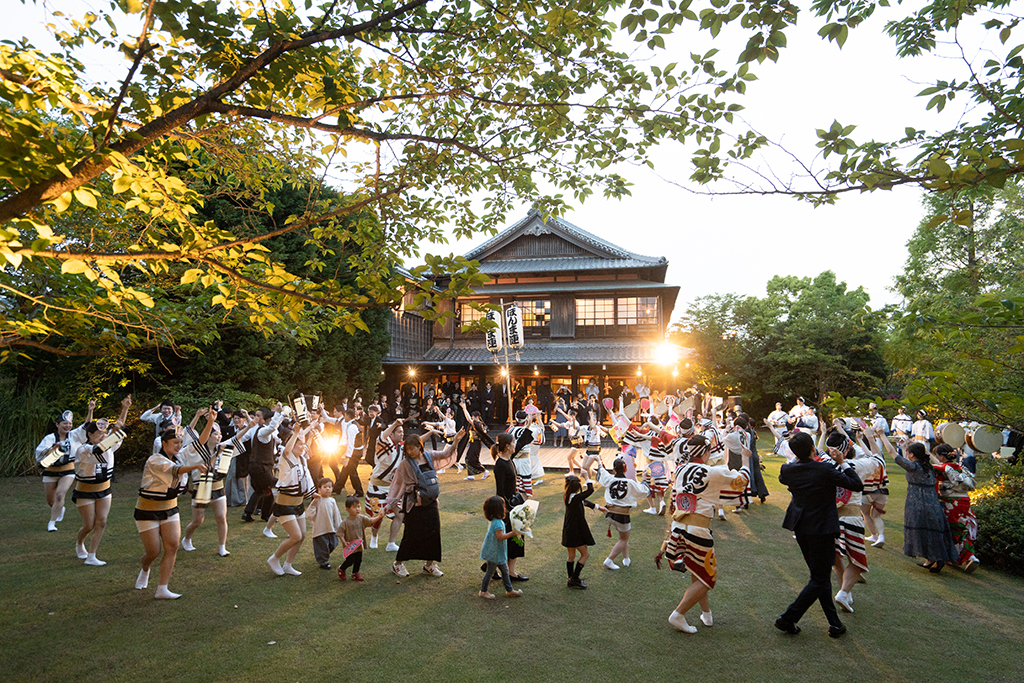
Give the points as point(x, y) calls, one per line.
point(58, 184)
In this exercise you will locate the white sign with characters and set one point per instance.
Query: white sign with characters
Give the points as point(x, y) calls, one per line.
point(513, 327)
point(493, 336)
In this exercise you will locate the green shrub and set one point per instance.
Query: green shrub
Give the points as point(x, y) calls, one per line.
point(1000, 512)
point(25, 417)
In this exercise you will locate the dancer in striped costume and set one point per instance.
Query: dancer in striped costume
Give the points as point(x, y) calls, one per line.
point(656, 474)
point(386, 459)
point(524, 433)
point(698, 488)
point(56, 456)
point(212, 451)
point(156, 510)
point(94, 465)
point(876, 492)
point(294, 487)
point(850, 542)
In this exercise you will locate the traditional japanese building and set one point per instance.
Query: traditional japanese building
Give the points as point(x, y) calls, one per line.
point(592, 311)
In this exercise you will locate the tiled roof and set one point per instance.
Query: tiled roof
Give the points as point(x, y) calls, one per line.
point(546, 352)
point(561, 264)
point(603, 250)
point(542, 287)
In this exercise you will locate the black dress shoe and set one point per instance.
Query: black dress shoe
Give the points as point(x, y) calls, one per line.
point(836, 631)
point(325, 566)
point(519, 577)
point(578, 584)
point(247, 518)
point(937, 567)
point(787, 626)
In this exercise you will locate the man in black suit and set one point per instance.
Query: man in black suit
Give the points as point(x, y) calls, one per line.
point(487, 400)
point(812, 516)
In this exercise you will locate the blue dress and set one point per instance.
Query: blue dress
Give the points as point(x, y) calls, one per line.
point(494, 550)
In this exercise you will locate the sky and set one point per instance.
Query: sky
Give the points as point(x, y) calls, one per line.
point(735, 244)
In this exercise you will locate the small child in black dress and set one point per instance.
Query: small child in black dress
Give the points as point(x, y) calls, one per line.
point(576, 534)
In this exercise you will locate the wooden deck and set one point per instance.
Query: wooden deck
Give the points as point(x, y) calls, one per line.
point(557, 458)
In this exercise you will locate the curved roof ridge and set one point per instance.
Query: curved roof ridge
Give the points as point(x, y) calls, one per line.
point(576, 232)
point(605, 244)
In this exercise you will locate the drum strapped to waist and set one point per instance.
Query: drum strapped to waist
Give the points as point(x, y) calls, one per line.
point(618, 509)
point(86, 487)
point(155, 505)
point(692, 519)
point(282, 499)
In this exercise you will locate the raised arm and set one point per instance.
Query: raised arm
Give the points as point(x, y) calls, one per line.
point(211, 417)
point(775, 432)
point(446, 457)
point(265, 432)
point(125, 405)
point(386, 434)
point(195, 420)
point(92, 407)
point(887, 445)
point(152, 415)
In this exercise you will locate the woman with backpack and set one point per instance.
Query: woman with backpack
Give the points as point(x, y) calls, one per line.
point(415, 488)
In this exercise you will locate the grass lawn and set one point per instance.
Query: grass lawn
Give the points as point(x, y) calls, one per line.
point(237, 621)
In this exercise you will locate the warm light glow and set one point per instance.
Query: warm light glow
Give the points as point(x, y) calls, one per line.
point(329, 445)
point(666, 354)
point(675, 373)
point(536, 372)
point(412, 372)
point(504, 372)
point(639, 373)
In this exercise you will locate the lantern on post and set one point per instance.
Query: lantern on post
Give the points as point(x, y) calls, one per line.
point(513, 327)
point(494, 335)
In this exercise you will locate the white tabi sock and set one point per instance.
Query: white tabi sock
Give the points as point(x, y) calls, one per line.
point(679, 621)
point(163, 593)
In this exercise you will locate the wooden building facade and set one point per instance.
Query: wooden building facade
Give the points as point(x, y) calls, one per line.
point(592, 312)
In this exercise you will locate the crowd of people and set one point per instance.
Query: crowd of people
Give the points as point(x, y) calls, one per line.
point(672, 456)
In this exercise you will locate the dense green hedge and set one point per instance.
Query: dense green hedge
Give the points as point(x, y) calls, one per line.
point(1000, 511)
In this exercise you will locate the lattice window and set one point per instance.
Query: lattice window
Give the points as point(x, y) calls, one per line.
point(593, 312)
point(638, 310)
point(536, 313)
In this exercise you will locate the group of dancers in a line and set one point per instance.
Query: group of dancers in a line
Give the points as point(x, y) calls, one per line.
point(706, 465)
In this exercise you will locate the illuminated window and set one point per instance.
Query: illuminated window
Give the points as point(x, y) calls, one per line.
point(468, 314)
point(591, 312)
point(638, 310)
point(536, 313)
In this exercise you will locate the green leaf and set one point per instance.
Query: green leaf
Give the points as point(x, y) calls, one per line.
point(939, 168)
